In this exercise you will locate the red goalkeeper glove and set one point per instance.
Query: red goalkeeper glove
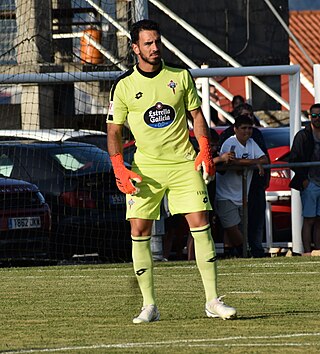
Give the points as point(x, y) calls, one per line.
point(124, 177)
point(204, 159)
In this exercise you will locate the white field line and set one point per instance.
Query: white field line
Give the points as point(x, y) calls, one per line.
point(269, 273)
point(244, 292)
point(270, 264)
point(58, 277)
point(254, 345)
point(240, 273)
point(208, 342)
point(162, 275)
point(114, 276)
point(183, 265)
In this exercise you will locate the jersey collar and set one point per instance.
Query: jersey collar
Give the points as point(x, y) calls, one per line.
point(150, 74)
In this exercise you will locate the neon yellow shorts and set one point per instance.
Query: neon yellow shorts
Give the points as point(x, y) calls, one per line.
point(185, 190)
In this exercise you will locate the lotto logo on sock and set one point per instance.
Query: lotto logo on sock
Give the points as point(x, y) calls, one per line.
point(141, 271)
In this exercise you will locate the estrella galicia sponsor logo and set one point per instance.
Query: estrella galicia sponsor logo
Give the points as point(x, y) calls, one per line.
point(159, 116)
point(141, 271)
point(138, 95)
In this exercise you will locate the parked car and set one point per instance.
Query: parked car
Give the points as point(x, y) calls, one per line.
point(77, 180)
point(94, 137)
point(25, 221)
point(128, 151)
point(278, 145)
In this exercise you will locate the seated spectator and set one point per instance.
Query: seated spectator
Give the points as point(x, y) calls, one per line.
point(257, 197)
point(228, 201)
point(236, 101)
point(216, 117)
point(246, 108)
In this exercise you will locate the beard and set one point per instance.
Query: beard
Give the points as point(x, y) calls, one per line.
point(316, 123)
point(151, 61)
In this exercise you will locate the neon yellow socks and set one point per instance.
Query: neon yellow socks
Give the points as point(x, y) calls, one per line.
point(143, 267)
point(206, 259)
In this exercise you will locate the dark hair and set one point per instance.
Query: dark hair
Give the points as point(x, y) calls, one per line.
point(243, 106)
point(237, 99)
point(143, 25)
point(242, 119)
point(246, 106)
point(316, 105)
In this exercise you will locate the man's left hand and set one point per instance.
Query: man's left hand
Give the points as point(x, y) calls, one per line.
point(205, 160)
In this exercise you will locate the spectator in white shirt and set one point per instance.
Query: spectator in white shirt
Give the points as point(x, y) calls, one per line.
point(229, 184)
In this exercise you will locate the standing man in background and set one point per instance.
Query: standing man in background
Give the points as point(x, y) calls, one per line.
point(306, 148)
point(155, 100)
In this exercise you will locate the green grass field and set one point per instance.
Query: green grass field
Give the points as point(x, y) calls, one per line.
point(89, 309)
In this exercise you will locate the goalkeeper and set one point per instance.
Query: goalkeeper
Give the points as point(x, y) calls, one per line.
point(155, 100)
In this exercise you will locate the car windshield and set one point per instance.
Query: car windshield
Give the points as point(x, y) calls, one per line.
point(276, 137)
point(81, 159)
point(98, 140)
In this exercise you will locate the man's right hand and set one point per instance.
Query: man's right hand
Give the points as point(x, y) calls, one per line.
point(124, 177)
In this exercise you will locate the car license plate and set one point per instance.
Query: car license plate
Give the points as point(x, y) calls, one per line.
point(116, 199)
point(32, 222)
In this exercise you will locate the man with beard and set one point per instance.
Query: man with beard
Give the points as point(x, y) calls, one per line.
point(306, 148)
point(155, 99)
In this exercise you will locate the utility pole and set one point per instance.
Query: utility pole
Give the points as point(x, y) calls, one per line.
point(34, 54)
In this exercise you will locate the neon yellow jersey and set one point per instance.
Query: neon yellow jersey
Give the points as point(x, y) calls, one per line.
point(155, 108)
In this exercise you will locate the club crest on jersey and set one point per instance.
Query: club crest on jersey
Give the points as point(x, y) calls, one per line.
point(159, 115)
point(173, 86)
point(130, 203)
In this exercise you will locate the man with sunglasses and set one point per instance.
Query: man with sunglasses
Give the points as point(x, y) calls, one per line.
point(306, 148)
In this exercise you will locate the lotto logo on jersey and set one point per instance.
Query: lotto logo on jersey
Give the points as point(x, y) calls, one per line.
point(159, 115)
